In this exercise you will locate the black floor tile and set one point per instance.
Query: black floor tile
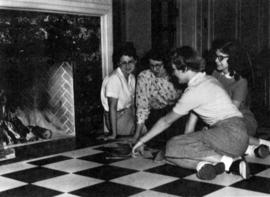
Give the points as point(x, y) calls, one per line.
point(256, 167)
point(171, 170)
point(46, 161)
point(107, 189)
point(255, 183)
point(106, 172)
point(103, 158)
point(184, 187)
point(34, 174)
point(29, 191)
point(104, 148)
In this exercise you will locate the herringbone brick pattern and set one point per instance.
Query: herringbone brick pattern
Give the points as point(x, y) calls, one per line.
point(61, 94)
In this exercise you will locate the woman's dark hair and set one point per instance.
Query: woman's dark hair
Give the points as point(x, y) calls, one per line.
point(157, 53)
point(239, 63)
point(127, 49)
point(186, 58)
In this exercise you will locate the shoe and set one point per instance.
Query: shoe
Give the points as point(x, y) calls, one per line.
point(8, 153)
point(207, 172)
point(262, 151)
point(220, 168)
point(240, 167)
point(160, 156)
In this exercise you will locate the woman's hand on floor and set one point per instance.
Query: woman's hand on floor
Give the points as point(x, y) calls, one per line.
point(110, 137)
point(138, 149)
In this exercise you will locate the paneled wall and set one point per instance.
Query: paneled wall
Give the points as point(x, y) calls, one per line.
point(187, 22)
point(132, 22)
point(198, 22)
point(202, 21)
point(225, 17)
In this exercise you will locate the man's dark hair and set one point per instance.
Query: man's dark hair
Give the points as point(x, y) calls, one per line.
point(186, 58)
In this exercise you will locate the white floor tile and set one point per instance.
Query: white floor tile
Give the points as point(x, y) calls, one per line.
point(144, 180)
point(265, 173)
point(7, 183)
point(81, 152)
point(72, 165)
point(66, 195)
point(235, 192)
point(67, 183)
point(149, 193)
point(45, 157)
point(104, 145)
point(222, 179)
point(4, 169)
point(137, 164)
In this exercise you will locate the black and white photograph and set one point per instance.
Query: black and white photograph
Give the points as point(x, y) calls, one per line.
point(134, 98)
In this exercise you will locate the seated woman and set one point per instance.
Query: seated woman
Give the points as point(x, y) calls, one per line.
point(234, 72)
point(210, 151)
point(155, 93)
point(117, 95)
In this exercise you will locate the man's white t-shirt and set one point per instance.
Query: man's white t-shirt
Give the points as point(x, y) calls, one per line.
point(116, 86)
point(206, 97)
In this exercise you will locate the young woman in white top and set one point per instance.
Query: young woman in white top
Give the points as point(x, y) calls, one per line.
point(117, 95)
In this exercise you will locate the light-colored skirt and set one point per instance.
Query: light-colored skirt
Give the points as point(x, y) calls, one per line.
point(125, 121)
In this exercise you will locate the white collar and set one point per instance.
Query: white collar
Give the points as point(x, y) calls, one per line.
point(120, 71)
point(227, 75)
point(196, 78)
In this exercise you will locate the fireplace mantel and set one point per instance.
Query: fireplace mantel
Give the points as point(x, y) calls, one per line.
point(102, 8)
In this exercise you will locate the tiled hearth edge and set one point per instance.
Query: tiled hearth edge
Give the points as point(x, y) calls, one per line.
point(42, 148)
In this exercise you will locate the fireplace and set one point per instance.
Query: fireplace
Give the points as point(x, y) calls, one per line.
point(57, 50)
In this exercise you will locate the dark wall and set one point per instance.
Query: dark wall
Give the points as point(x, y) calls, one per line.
point(246, 21)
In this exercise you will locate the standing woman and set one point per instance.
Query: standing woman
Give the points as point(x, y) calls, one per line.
point(117, 94)
point(234, 71)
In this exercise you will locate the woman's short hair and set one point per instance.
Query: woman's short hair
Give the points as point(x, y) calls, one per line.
point(158, 54)
point(186, 58)
point(127, 49)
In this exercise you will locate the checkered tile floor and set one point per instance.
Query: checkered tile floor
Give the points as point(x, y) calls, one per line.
point(87, 172)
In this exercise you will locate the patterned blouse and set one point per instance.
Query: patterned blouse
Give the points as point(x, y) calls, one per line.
point(153, 93)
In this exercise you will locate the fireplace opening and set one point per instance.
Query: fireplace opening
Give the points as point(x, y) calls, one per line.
point(50, 69)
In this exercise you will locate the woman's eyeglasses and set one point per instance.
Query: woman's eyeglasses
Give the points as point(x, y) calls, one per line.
point(156, 65)
point(131, 62)
point(220, 57)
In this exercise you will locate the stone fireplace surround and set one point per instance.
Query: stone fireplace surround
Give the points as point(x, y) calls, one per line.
point(63, 96)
